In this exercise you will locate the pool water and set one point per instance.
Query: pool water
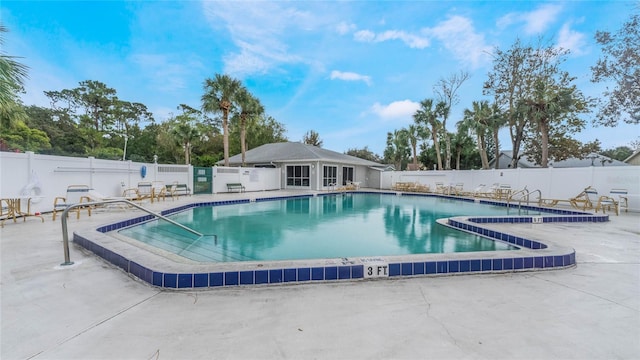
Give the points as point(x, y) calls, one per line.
point(331, 226)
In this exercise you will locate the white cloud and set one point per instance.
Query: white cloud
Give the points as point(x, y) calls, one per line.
point(246, 62)
point(535, 22)
point(260, 32)
point(538, 20)
point(412, 40)
point(506, 20)
point(165, 72)
point(350, 76)
point(572, 40)
point(343, 28)
point(458, 35)
point(364, 36)
point(396, 110)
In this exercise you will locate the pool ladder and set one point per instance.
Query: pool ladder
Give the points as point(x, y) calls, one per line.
point(65, 233)
point(523, 195)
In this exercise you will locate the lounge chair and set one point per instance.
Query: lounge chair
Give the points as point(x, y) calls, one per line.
point(6, 210)
point(457, 189)
point(176, 189)
point(623, 199)
point(585, 200)
point(502, 192)
point(415, 187)
point(76, 194)
point(491, 192)
point(479, 191)
point(142, 192)
point(401, 186)
point(440, 188)
point(617, 198)
point(422, 188)
point(145, 190)
point(158, 190)
point(95, 195)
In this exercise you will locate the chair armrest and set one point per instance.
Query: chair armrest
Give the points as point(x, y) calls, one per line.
point(609, 199)
point(131, 193)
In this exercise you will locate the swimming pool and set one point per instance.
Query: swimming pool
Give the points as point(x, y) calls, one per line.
point(332, 226)
point(177, 272)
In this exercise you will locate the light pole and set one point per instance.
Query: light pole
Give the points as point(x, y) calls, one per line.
point(124, 153)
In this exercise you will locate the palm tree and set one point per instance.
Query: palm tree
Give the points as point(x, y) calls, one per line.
point(476, 120)
point(427, 115)
point(416, 132)
point(185, 134)
point(548, 104)
point(397, 148)
point(442, 111)
point(497, 120)
point(220, 96)
point(461, 142)
point(12, 75)
point(249, 106)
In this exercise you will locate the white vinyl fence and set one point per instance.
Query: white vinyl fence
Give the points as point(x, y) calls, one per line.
point(46, 177)
point(557, 183)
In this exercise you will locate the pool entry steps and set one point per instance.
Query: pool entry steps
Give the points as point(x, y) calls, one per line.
point(165, 273)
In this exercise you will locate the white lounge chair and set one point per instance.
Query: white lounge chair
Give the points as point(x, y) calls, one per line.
point(617, 198)
point(76, 194)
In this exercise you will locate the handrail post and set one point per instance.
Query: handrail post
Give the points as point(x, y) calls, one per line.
point(65, 240)
point(65, 234)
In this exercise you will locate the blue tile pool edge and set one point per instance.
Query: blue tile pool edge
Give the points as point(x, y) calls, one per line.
point(354, 268)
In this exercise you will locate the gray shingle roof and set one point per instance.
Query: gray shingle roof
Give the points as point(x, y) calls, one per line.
point(593, 158)
point(295, 152)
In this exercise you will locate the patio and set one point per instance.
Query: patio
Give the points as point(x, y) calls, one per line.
point(94, 310)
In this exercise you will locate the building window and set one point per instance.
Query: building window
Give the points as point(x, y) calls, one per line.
point(347, 175)
point(330, 176)
point(298, 175)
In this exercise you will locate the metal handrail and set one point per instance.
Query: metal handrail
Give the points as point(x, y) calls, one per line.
point(523, 192)
point(65, 233)
point(539, 195)
point(526, 194)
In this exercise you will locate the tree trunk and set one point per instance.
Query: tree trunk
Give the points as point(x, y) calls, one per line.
point(225, 136)
point(243, 145)
point(436, 145)
point(483, 152)
point(516, 139)
point(447, 141)
point(497, 150)
point(187, 159)
point(544, 138)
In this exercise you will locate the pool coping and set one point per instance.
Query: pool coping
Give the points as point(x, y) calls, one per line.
point(166, 273)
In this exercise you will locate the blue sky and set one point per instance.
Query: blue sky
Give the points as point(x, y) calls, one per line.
point(352, 71)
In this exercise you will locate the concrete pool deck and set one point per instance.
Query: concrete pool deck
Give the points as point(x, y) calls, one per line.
point(93, 310)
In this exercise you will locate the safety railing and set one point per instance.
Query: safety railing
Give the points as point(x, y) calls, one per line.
point(539, 196)
point(523, 195)
point(65, 233)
